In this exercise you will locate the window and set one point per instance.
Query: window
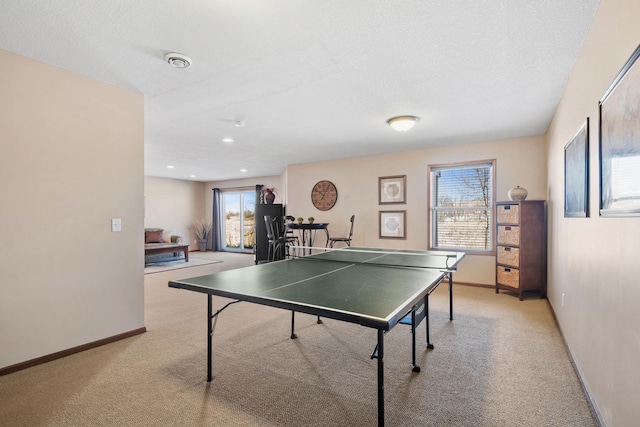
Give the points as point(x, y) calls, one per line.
point(239, 220)
point(461, 207)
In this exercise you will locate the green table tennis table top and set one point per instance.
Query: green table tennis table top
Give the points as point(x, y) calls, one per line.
point(368, 286)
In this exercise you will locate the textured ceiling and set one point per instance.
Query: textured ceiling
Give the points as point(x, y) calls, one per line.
point(311, 80)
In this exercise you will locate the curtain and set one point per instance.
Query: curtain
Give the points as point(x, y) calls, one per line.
point(259, 196)
point(218, 216)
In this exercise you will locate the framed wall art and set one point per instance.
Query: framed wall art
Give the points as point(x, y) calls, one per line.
point(620, 142)
point(392, 189)
point(393, 224)
point(576, 174)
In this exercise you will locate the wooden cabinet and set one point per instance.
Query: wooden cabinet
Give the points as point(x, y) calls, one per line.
point(521, 247)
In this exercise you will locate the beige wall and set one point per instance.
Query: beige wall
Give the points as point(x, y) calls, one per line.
point(72, 159)
point(174, 205)
point(594, 261)
point(520, 161)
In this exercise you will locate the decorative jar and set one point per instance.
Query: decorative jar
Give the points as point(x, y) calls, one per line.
point(517, 194)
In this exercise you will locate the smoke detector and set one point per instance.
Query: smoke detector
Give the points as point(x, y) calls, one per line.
point(178, 60)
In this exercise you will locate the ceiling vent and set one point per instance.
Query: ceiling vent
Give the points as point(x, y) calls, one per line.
point(178, 60)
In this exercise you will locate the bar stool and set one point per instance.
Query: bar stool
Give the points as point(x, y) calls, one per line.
point(277, 240)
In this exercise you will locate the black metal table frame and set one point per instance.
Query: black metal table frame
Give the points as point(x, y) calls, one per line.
point(211, 316)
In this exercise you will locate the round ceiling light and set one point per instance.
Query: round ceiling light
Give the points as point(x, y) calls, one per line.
point(402, 123)
point(178, 60)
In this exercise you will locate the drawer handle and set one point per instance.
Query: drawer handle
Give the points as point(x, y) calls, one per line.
point(507, 249)
point(507, 208)
point(507, 228)
point(507, 270)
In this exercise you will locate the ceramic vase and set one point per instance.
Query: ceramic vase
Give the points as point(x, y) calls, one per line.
point(517, 194)
point(269, 197)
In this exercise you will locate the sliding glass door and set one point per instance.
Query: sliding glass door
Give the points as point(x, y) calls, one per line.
point(239, 220)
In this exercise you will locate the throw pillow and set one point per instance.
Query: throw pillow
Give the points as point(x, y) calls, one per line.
point(154, 236)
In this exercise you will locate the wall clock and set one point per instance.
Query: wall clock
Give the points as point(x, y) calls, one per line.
point(324, 195)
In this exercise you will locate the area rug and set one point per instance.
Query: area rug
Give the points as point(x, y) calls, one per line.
point(176, 264)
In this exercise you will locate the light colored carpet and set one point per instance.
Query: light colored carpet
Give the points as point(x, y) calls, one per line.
point(500, 362)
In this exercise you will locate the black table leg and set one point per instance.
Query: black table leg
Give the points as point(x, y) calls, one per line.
point(303, 232)
point(426, 320)
point(415, 368)
point(310, 240)
point(450, 296)
point(210, 335)
point(380, 378)
point(293, 321)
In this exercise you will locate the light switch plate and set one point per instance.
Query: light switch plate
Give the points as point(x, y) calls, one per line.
point(116, 225)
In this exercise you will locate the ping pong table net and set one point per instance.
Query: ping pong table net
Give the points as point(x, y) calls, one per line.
point(385, 257)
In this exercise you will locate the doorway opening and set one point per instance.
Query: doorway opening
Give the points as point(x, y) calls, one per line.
point(239, 208)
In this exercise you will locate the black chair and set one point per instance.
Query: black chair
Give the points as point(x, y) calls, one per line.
point(333, 240)
point(276, 238)
point(290, 238)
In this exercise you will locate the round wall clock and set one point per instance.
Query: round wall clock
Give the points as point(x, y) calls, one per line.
point(324, 195)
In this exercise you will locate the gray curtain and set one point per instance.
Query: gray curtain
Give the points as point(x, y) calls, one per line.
point(259, 196)
point(218, 217)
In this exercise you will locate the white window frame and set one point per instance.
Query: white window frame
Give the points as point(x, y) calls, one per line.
point(432, 169)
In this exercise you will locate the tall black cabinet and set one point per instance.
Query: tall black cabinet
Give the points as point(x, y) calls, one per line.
point(261, 249)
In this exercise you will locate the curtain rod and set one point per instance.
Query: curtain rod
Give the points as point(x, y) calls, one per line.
point(252, 187)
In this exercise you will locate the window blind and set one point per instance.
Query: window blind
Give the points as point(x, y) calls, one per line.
point(462, 207)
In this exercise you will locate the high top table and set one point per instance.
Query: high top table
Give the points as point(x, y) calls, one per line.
point(307, 232)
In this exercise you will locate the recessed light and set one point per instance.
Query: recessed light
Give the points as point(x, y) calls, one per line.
point(192, 176)
point(170, 166)
point(227, 140)
point(243, 170)
point(239, 123)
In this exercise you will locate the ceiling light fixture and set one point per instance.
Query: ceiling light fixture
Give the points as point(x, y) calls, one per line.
point(227, 140)
point(402, 123)
point(178, 60)
point(170, 166)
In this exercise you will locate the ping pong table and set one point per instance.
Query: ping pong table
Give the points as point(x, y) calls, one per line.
point(375, 288)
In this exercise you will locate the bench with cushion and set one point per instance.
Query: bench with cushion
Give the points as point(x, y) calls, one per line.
point(158, 243)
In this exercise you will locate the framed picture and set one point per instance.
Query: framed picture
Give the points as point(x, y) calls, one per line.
point(393, 224)
point(620, 143)
point(576, 174)
point(392, 189)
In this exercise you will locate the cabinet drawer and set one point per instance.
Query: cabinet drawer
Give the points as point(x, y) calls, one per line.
point(508, 214)
point(508, 256)
point(509, 276)
point(509, 235)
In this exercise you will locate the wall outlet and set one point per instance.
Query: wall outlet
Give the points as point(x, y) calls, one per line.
point(563, 299)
